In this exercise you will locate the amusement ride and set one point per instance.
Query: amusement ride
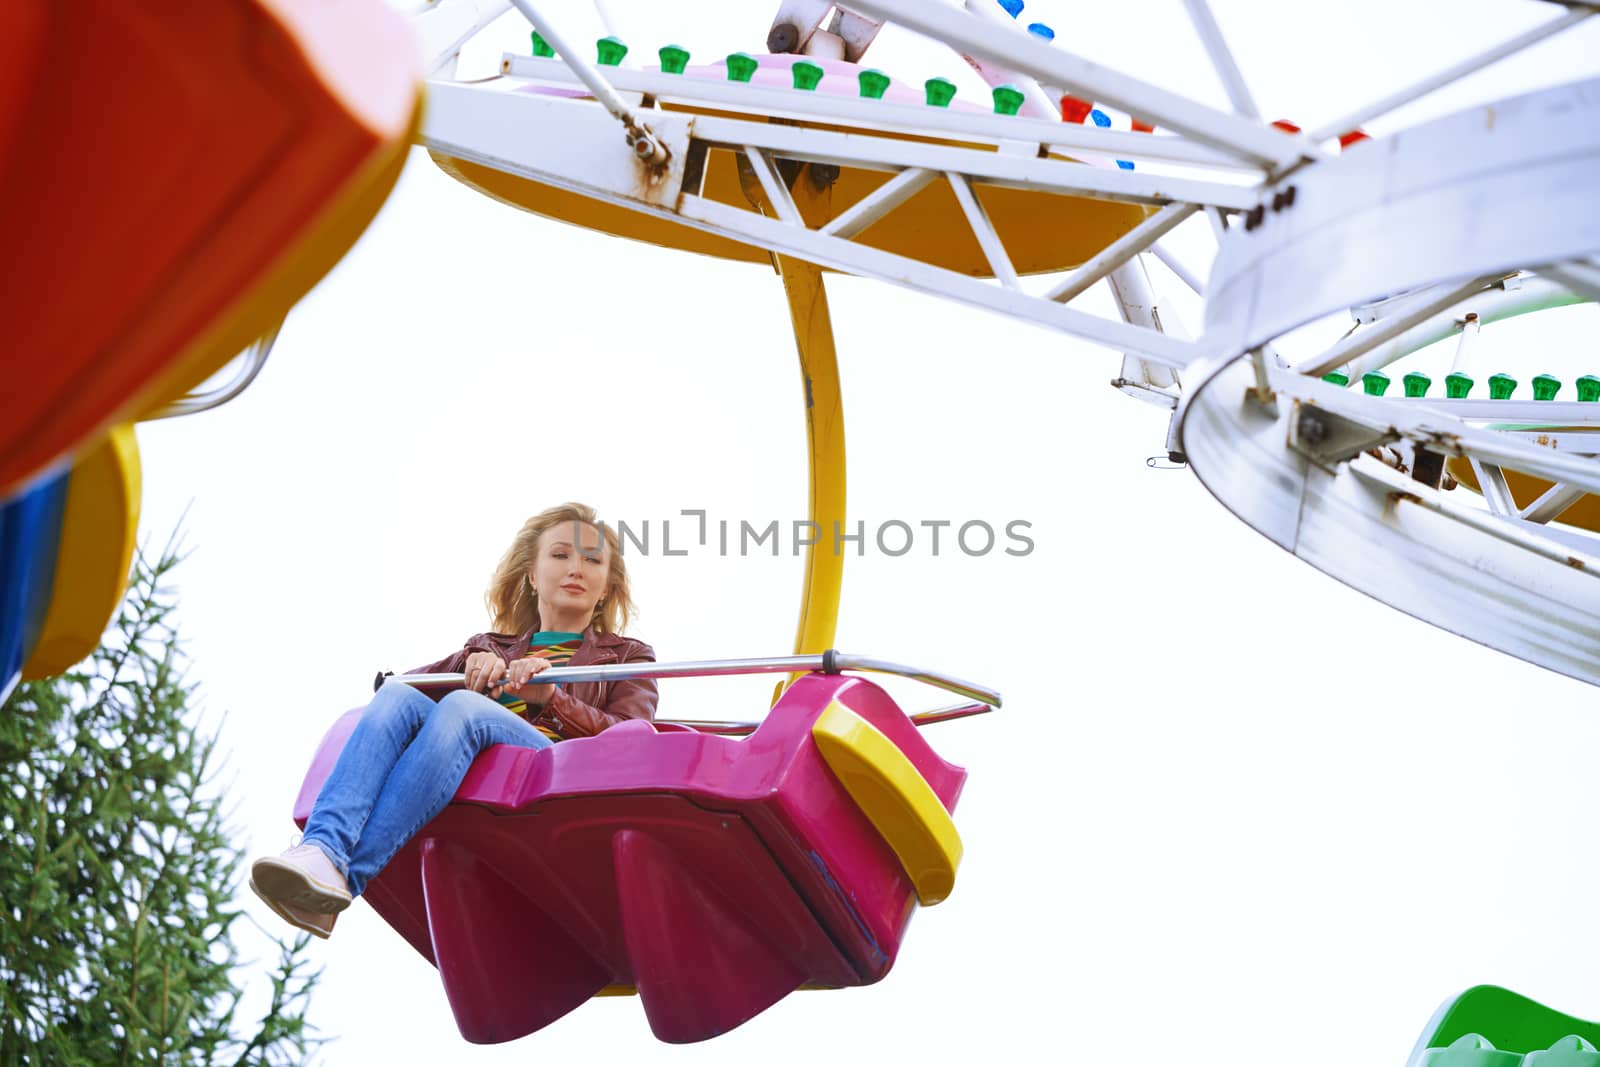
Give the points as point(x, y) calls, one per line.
point(714, 868)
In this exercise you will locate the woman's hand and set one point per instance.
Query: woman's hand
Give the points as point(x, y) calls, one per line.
point(524, 669)
point(483, 670)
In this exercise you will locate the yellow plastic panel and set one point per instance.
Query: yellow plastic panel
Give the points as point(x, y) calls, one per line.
point(98, 528)
point(895, 798)
point(1042, 232)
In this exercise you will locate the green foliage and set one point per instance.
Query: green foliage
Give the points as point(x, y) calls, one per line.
point(116, 932)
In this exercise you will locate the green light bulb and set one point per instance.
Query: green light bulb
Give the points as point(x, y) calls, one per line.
point(1375, 382)
point(806, 74)
point(1545, 387)
point(1416, 384)
point(673, 58)
point(940, 91)
point(873, 83)
point(611, 51)
point(1501, 386)
point(1338, 378)
point(1457, 385)
point(1589, 389)
point(741, 66)
point(541, 47)
point(1007, 99)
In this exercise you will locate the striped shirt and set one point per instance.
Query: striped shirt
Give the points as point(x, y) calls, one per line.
point(558, 647)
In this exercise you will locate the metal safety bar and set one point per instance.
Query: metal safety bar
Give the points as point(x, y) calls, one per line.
point(255, 357)
point(646, 145)
point(746, 727)
point(829, 662)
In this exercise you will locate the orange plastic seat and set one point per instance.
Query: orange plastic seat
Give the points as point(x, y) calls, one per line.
point(172, 181)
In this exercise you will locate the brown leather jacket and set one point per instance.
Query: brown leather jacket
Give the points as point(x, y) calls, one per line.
point(579, 709)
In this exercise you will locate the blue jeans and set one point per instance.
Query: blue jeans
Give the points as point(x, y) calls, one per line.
point(400, 768)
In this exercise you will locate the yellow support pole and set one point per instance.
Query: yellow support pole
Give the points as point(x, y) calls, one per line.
point(819, 371)
point(819, 368)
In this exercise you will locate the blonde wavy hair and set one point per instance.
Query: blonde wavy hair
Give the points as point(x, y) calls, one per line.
point(512, 604)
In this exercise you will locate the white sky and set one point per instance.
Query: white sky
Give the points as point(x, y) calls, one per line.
point(1231, 808)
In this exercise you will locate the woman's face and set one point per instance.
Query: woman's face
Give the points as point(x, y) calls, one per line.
point(570, 575)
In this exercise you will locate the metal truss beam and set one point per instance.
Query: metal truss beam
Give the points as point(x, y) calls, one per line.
point(1051, 65)
point(914, 119)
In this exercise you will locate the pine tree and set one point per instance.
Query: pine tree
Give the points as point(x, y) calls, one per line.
point(117, 869)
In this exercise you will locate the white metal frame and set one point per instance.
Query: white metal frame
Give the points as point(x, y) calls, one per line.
point(1283, 208)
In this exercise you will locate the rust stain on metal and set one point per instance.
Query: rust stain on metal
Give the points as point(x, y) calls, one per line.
point(1449, 442)
point(1389, 457)
point(1575, 562)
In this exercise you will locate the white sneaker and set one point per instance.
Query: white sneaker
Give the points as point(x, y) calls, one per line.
point(303, 878)
point(312, 922)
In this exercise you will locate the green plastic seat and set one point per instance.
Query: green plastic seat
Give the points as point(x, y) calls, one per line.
point(1488, 1026)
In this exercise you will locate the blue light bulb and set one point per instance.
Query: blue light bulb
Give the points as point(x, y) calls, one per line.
point(1102, 120)
point(1039, 29)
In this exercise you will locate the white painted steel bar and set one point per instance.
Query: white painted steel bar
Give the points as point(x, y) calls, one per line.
point(1024, 172)
point(1492, 484)
point(1552, 502)
point(1564, 436)
point(510, 152)
point(577, 147)
point(1039, 100)
point(1176, 266)
point(914, 119)
point(1581, 277)
point(771, 184)
point(1505, 451)
point(591, 77)
point(858, 259)
point(1205, 24)
point(989, 241)
point(442, 28)
point(1505, 412)
point(1509, 532)
point(1495, 304)
point(1036, 99)
point(1426, 306)
point(1121, 250)
point(603, 10)
point(1219, 222)
point(830, 662)
point(1136, 303)
point(1470, 328)
point(878, 203)
point(1419, 422)
point(1429, 84)
point(869, 262)
point(1055, 66)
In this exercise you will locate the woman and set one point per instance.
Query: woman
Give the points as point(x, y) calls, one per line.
point(559, 595)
